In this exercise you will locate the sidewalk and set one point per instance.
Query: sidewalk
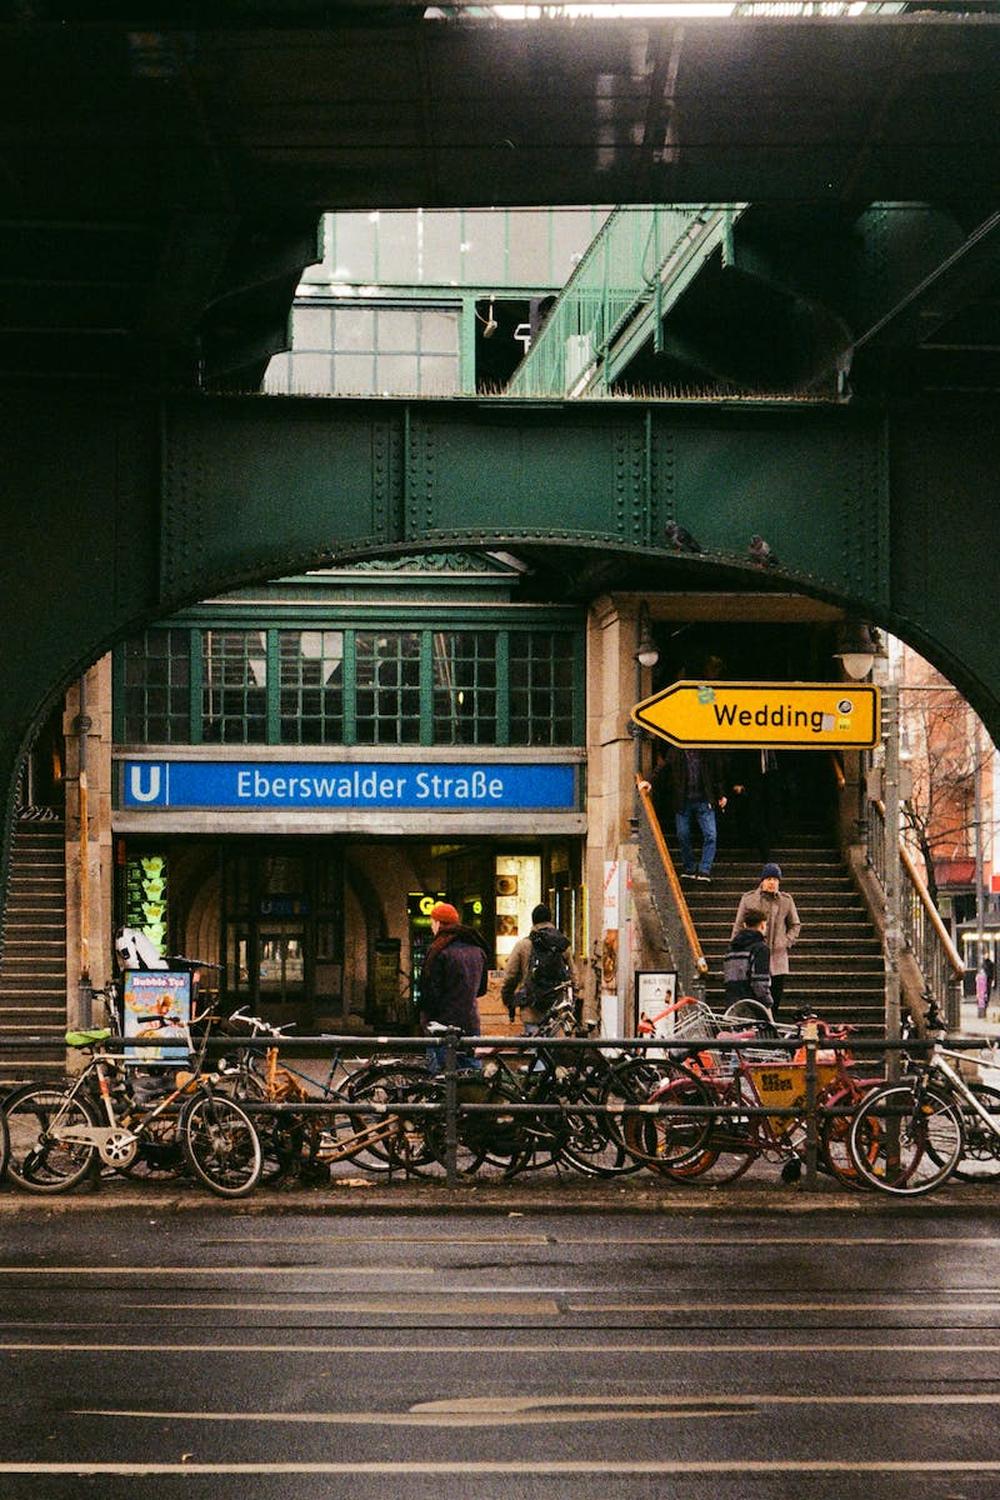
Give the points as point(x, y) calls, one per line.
point(762, 1195)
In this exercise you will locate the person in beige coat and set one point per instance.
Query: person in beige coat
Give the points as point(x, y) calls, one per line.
point(783, 925)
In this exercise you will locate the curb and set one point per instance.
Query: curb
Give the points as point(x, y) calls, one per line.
point(762, 1201)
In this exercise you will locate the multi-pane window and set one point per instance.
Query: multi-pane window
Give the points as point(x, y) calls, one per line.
point(485, 247)
point(461, 684)
point(541, 689)
point(311, 686)
point(387, 674)
point(156, 704)
point(370, 351)
point(234, 686)
point(465, 687)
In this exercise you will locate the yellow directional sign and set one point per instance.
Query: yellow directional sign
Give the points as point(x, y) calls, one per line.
point(769, 715)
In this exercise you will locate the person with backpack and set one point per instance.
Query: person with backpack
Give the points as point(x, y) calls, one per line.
point(746, 968)
point(537, 970)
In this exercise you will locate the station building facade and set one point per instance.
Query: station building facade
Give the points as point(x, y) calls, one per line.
point(282, 780)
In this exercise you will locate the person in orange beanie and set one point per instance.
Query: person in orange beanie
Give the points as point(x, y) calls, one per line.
point(453, 977)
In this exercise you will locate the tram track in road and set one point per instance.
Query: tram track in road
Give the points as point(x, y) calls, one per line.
point(734, 1360)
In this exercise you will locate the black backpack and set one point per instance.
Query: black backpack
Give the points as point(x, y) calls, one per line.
point(548, 967)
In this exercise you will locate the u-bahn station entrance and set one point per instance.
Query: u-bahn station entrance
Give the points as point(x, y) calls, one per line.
point(352, 521)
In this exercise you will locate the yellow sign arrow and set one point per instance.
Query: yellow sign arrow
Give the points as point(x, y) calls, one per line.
point(769, 715)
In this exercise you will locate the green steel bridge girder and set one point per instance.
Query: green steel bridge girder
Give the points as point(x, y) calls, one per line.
point(121, 511)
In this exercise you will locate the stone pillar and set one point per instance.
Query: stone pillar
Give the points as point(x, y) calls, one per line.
point(613, 687)
point(88, 938)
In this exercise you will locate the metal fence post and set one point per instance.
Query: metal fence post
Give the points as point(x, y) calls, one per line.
point(810, 1033)
point(451, 1109)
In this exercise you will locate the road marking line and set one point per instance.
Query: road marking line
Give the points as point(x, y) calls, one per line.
point(531, 1466)
point(439, 1420)
point(794, 1239)
point(432, 1303)
point(748, 1306)
point(217, 1270)
point(537, 1411)
point(401, 1239)
point(640, 1350)
point(558, 1239)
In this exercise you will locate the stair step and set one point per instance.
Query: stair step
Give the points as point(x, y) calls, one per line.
point(33, 963)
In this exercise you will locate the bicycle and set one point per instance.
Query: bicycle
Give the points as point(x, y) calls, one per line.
point(910, 1136)
point(750, 1077)
point(591, 1090)
point(385, 1140)
point(59, 1133)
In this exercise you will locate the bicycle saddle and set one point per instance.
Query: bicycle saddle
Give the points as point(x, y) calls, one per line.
point(87, 1038)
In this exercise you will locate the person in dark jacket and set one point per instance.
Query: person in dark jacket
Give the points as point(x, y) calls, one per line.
point(690, 785)
point(747, 966)
point(452, 979)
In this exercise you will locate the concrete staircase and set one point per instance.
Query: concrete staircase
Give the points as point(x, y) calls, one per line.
point(33, 960)
point(837, 967)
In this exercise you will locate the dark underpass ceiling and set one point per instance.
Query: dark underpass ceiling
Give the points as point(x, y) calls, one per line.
point(164, 165)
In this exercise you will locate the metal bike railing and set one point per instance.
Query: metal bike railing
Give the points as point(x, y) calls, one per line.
point(810, 1110)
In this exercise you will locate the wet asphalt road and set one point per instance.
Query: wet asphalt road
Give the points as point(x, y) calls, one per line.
point(709, 1357)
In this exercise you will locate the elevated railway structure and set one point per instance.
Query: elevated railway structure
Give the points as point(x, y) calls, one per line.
point(163, 188)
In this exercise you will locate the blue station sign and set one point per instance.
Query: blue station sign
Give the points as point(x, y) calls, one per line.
point(306, 785)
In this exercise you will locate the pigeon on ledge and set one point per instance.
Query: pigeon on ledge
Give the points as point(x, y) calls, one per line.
point(679, 538)
point(760, 554)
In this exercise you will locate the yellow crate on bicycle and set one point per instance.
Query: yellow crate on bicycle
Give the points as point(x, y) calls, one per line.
point(782, 1085)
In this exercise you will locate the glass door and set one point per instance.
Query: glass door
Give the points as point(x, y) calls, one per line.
point(281, 962)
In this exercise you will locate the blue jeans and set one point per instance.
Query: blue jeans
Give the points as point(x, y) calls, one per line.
point(463, 1060)
point(704, 814)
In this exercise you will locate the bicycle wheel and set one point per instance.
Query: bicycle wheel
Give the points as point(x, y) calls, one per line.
point(906, 1139)
point(36, 1160)
point(744, 1012)
point(282, 1136)
point(665, 1141)
point(834, 1133)
point(221, 1146)
point(495, 1143)
point(980, 1159)
point(382, 1086)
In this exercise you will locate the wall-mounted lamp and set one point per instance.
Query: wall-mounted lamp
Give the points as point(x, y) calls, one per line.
point(647, 654)
point(858, 645)
point(490, 324)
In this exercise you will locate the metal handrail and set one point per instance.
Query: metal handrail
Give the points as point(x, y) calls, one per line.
point(677, 914)
point(926, 936)
point(640, 260)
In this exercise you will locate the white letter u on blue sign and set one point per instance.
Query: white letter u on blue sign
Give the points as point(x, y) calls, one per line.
point(152, 791)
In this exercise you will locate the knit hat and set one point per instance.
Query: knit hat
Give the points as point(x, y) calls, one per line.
point(445, 913)
point(771, 872)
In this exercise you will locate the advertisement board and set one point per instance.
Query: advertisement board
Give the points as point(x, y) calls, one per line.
point(157, 1011)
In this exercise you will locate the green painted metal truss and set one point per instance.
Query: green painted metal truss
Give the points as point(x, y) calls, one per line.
point(127, 510)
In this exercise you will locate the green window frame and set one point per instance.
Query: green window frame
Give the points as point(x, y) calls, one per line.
point(541, 683)
point(310, 687)
point(465, 687)
point(462, 681)
point(153, 687)
point(236, 670)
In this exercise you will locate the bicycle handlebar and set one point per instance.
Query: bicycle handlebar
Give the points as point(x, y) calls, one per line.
point(258, 1025)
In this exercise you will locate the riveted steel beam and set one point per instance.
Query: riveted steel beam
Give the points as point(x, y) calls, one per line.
point(125, 511)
